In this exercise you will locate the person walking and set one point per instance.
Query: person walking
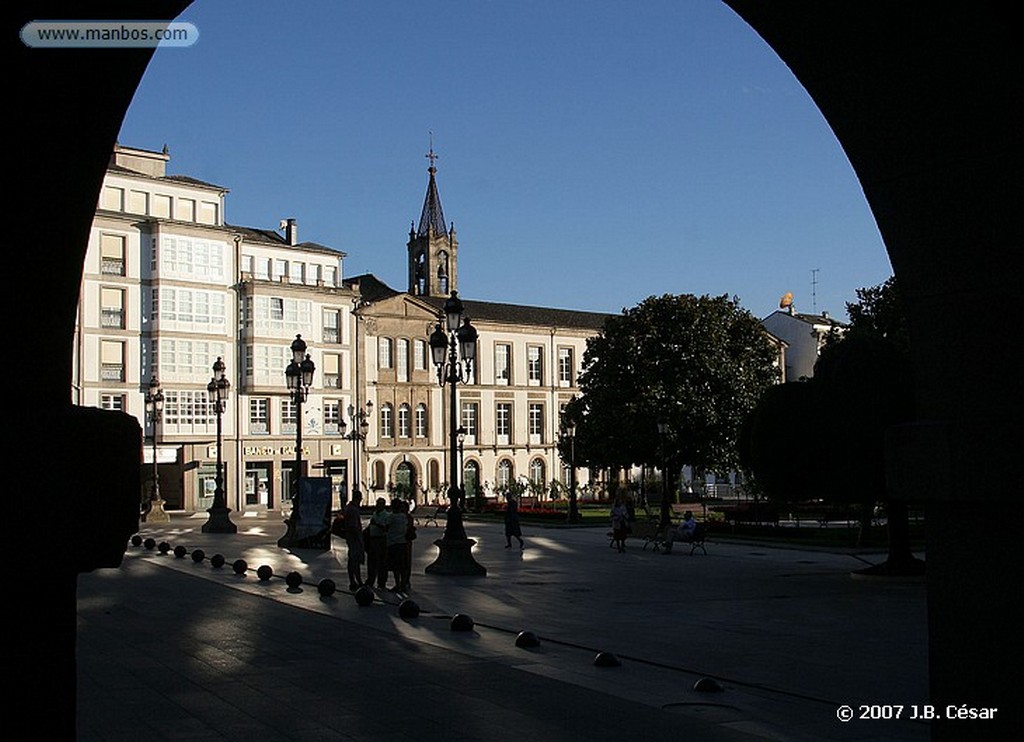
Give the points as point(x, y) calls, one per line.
point(620, 524)
point(512, 527)
point(377, 545)
point(354, 540)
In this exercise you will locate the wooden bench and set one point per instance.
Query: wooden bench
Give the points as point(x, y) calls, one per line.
point(648, 531)
point(696, 542)
point(434, 516)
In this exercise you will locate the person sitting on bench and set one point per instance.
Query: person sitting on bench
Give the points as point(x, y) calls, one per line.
point(684, 532)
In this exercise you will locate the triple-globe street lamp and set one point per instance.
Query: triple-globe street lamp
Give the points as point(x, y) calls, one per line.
point(155, 512)
point(453, 352)
point(218, 389)
point(299, 377)
point(570, 433)
point(360, 426)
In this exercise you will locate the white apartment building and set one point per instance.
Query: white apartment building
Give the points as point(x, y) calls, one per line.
point(168, 288)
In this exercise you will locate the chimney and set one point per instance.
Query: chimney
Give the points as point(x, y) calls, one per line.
point(291, 231)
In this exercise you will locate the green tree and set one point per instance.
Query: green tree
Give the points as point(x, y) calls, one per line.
point(836, 421)
point(698, 364)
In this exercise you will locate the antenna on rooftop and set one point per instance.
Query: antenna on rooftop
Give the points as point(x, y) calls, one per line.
point(814, 289)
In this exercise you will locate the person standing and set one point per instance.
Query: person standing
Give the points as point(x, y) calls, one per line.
point(377, 546)
point(512, 527)
point(354, 541)
point(398, 552)
point(620, 524)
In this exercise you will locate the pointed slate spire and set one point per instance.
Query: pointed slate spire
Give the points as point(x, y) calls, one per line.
point(432, 218)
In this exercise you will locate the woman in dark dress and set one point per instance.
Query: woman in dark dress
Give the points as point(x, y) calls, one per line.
point(512, 523)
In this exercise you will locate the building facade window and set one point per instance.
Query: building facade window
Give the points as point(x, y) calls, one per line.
point(112, 402)
point(187, 411)
point(185, 209)
point(534, 365)
point(421, 420)
point(385, 357)
point(565, 367)
point(332, 326)
point(288, 421)
point(503, 422)
point(112, 199)
point(537, 472)
point(503, 364)
point(419, 355)
point(536, 422)
point(505, 473)
point(403, 421)
point(332, 417)
point(275, 315)
point(112, 308)
point(470, 415)
point(386, 421)
point(112, 360)
point(402, 359)
point(265, 364)
point(193, 307)
point(331, 371)
point(188, 257)
point(259, 416)
point(188, 360)
point(112, 254)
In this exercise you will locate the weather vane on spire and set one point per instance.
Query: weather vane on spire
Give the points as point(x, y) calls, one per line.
point(430, 155)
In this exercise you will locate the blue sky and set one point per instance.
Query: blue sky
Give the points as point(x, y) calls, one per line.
point(591, 154)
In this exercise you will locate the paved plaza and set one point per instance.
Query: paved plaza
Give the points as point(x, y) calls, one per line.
point(170, 648)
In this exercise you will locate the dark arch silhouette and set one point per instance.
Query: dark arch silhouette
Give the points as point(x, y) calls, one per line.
point(923, 99)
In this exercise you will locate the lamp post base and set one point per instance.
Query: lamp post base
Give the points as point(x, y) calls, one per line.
point(298, 538)
point(455, 557)
point(219, 521)
point(155, 512)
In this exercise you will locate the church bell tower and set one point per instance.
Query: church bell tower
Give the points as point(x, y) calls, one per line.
point(433, 248)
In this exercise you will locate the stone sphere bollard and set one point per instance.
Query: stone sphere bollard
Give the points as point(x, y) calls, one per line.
point(293, 580)
point(606, 659)
point(164, 547)
point(239, 566)
point(265, 572)
point(326, 587)
point(409, 608)
point(708, 685)
point(527, 640)
point(149, 543)
point(461, 622)
point(364, 596)
point(180, 551)
point(217, 561)
point(136, 540)
point(198, 556)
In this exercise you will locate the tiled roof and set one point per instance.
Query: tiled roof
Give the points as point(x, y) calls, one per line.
point(520, 314)
point(270, 236)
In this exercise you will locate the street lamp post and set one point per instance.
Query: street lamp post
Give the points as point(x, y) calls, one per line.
point(663, 432)
point(448, 344)
point(299, 377)
point(155, 512)
point(460, 435)
point(360, 426)
point(570, 433)
point(219, 520)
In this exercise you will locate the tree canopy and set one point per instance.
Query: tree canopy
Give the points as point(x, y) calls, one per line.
point(825, 437)
point(698, 364)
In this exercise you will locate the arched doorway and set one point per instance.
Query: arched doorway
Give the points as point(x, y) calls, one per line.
point(405, 482)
